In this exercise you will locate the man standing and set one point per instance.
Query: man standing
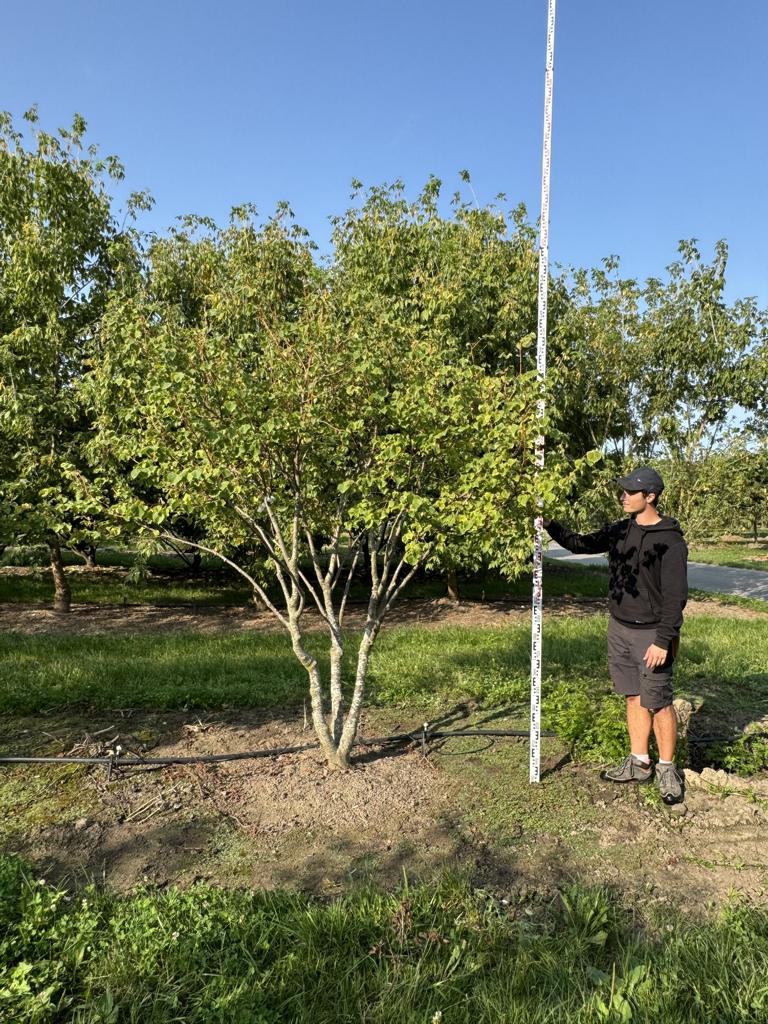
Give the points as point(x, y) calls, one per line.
point(648, 587)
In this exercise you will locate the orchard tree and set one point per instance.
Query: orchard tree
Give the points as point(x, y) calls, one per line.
point(60, 253)
point(322, 416)
point(736, 482)
point(660, 369)
point(485, 261)
point(697, 356)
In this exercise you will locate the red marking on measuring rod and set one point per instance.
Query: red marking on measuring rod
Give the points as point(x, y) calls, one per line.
point(541, 372)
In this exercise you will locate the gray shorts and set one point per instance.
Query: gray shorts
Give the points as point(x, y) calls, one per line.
point(630, 677)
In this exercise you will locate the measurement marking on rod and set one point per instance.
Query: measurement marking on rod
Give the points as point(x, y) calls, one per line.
point(541, 372)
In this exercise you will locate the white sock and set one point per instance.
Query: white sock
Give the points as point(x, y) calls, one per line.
point(662, 761)
point(641, 757)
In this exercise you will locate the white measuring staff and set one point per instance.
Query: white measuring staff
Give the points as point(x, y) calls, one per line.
point(541, 371)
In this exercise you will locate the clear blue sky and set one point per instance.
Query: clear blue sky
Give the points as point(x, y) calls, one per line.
point(659, 120)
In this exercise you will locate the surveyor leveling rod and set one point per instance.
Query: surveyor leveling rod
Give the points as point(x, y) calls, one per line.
point(541, 371)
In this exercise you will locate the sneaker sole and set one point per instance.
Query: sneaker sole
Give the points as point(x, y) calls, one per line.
point(625, 782)
point(670, 801)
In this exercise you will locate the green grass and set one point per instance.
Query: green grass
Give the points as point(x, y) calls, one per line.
point(738, 554)
point(30, 800)
point(443, 954)
point(723, 661)
point(168, 584)
point(92, 588)
point(754, 604)
point(120, 557)
point(423, 671)
point(96, 587)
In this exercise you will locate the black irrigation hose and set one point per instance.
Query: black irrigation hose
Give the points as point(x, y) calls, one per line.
point(136, 762)
point(424, 736)
point(487, 732)
point(693, 738)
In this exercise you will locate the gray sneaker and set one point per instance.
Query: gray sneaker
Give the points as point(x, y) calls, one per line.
point(630, 770)
point(670, 783)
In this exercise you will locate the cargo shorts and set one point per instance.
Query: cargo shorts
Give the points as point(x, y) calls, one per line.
point(629, 673)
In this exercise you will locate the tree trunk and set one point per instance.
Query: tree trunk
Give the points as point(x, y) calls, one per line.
point(87, 552)
point(197, 559)
point(337, 706)
point(349, 733)
point(452, 583)
point(62, 596)
point(322, 731)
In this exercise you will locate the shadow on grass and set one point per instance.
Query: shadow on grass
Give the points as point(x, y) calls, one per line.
point(212, 848)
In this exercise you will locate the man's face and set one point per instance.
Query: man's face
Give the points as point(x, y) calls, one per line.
point(634, 502)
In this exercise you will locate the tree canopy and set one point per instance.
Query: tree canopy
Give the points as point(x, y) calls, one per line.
point(61, 253)
point(321, 415)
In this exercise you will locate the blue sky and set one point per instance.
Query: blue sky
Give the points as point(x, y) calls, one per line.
point(659, 109)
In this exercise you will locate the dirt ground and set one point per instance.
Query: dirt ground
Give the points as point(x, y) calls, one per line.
point(117, 620)
point(289, 820)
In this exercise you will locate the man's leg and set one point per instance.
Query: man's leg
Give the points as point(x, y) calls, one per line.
point(638, 725)
point(665, 731)
point(668, 778)
point(625, 675)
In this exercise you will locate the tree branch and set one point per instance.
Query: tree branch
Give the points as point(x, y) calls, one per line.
point(343, 605)
point(406, 579)
point(228, 561)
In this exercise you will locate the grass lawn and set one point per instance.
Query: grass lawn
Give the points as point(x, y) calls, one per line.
point(99, 587)
point(442, 953)
point(163, 586)
point(722, 670)
point(738, 554)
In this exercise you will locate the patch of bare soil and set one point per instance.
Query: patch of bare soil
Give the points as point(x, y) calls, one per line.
point(719, 610)
point(290, 821)
point(263, 822)
point(117, 620)
point(694, 854)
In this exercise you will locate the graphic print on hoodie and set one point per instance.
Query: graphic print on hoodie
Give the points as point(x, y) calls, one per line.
point(647, 572)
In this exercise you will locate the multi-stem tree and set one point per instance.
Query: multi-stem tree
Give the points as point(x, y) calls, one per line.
point(320, 415)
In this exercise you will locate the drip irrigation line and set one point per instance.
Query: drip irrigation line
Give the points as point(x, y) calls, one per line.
point(487, 732)
point(693, 738)
point(137, 762)
point(425, 735)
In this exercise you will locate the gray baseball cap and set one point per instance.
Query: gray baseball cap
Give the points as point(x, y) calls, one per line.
point(642, 479)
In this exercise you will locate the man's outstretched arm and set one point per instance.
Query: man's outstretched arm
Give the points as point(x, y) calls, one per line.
point(579, 543)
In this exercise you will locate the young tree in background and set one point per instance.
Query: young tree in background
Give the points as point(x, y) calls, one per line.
point(661, 369)
point(60, 252)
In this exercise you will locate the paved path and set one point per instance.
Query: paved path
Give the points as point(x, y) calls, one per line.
point(720, 579)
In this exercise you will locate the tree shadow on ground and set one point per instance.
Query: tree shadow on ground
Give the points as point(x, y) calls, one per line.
point(477, 815)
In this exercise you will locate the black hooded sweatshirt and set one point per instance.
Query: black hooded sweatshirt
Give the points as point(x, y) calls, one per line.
point(648, 572)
